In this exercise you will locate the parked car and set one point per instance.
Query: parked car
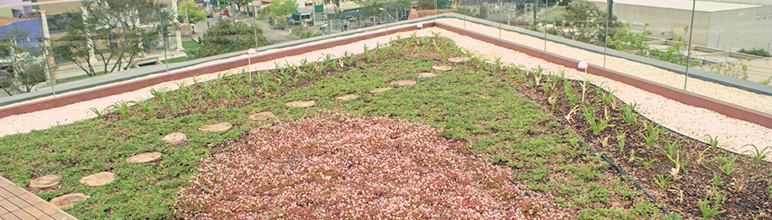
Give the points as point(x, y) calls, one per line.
point(209, 15)
point(224, 15)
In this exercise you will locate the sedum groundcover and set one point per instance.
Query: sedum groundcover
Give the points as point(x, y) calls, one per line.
point(472, 116)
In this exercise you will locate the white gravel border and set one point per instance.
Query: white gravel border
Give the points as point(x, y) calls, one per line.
point(691, 121)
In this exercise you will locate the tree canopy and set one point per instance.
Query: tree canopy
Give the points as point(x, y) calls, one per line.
point(372, 7)
point(25, 63)
point(279, 10)
point(189, 12)
point(579, 20)
point(111, 33)
point(228, 37)
point(239, 3)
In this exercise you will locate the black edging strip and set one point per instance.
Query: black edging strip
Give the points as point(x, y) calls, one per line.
point(695, 139)
point(592, 150)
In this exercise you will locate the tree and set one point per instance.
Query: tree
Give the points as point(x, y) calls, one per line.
point(337, 6)
point(239, 3)
point(626, 40)
point(372, 7)
point(430, 4)
point(188, 12)
point(228, 37)
point(25, 63)
point(609, 10)
point(279, 10)
point(579, 20)
point(112, 33)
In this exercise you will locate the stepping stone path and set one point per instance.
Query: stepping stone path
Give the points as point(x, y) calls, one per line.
point(144, 157)
point(98, 179)
point(442, 68)
point(403, 82)
point(68, 200)
point(176, 138)
point(381, 90)
point(301, 104)
point(45, 182)
point(426, 75)
point(348, 97)
point(459, 59)
point(219, 127)
point(262, 116)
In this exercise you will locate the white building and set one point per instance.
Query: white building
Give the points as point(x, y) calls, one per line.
point(726, 24)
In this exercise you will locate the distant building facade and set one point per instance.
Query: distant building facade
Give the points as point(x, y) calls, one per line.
point(725, 24)
point(13, 16)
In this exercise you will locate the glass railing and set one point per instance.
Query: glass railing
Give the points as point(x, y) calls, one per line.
point(730, 38)
point(79, 40)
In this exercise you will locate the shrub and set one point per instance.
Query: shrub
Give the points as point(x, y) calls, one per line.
point(226, 37)
point(758, 52)
point(334, 166)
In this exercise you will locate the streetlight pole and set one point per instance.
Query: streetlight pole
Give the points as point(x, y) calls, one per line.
point(545, 25)
point(689, 50)
point(47, 37)
point(163, 36)
point(605, 39)
point(254, 27)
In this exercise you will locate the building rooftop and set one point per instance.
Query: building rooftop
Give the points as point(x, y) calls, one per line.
point(8, 20)
point(682, 4)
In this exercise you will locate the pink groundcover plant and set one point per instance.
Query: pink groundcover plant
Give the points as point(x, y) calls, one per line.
point(337, 166)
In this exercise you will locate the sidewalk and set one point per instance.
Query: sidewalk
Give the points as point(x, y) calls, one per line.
point(17, 203)
point(273, 36)
point(71, 70)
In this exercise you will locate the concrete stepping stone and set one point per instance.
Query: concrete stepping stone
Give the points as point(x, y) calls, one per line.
point(381, 89)
point(176, 138)
point(348, 97)
point(219, 127)
point(68, 200)
point(301, 104)
point(442, 68)
point(403, 82)
point(426, 75)
point(459, 59)
point(98, 179)
point(262, 116)
point(144, 157)
point(45, 182)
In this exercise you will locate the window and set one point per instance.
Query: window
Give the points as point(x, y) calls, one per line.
point(58, 23)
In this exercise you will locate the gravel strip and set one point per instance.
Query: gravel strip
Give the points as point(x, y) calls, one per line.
point(688, 120)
